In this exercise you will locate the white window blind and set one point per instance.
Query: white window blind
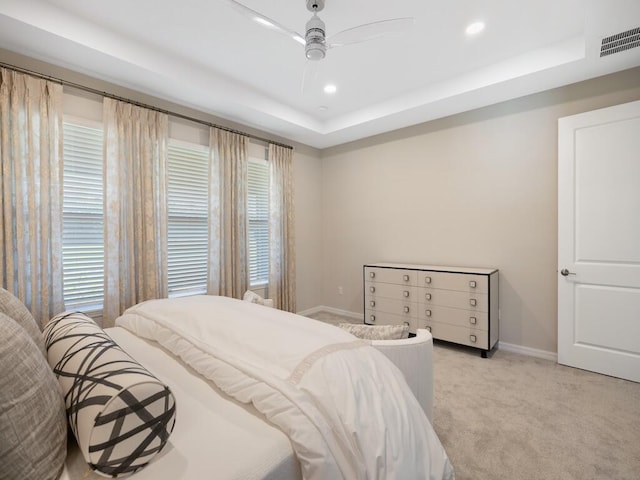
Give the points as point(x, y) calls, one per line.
point(188, 186)
point(258, 217)
point(83, 232)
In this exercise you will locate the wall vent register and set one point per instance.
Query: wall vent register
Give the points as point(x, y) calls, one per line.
point(456, 304)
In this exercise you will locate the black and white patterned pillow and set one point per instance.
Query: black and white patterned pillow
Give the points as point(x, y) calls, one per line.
point(120, 413)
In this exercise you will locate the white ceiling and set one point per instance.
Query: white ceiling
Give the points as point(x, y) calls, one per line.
point(206, 55)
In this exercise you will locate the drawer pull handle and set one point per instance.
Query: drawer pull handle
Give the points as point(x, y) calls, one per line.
point(472, 284)
point(406, 293)
point(372, 303)
point(405, 278)
point(472, 338)
point(427, 279)
point(427, 313)
point(372, 274)
point(406, 323)
point(473, 320)
point(372, 289)
point(427, 296)
point(372, 318)
point(473, 302)
point(406, 309)
point(428, 328)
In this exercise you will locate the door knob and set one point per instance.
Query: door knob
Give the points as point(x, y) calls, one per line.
point(564, 272)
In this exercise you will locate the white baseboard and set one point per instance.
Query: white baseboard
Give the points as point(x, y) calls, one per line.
point(335, 311)
point(532, 352)
point(311, 311)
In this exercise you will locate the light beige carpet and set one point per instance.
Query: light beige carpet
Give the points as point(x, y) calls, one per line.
point(517, 417)
point(514, 417)
point(332, 318)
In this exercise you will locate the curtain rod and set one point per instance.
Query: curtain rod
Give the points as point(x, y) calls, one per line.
point(137, 104)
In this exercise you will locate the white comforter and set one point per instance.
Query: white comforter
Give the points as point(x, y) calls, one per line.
point(346, 408)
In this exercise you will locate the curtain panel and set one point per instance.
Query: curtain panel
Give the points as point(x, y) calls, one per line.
point(228, 262)
point(135, 223)
point(31, 192)
point(282, 262)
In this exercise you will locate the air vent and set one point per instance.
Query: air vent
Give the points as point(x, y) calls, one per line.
point(620, 42)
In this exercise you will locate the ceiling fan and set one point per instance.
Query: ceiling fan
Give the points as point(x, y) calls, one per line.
point(314, 40)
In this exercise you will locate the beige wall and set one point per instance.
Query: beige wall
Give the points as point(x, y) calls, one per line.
point(475, 189)
point(308, 205)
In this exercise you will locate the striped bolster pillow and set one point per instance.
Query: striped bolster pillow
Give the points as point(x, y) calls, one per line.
point(120, 414)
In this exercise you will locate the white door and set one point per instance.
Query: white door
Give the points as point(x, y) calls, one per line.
point(599, 241)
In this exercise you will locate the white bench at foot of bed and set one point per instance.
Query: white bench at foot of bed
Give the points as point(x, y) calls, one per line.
point(414, 357)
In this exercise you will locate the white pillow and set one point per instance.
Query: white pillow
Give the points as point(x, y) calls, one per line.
point(376, 332)
point(253, 297)
point(120, 414)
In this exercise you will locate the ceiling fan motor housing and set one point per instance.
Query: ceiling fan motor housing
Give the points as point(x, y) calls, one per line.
point(315, 47)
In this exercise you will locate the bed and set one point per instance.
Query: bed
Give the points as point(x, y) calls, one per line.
point(265, 394)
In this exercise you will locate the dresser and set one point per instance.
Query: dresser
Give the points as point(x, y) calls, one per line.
point(456, 304)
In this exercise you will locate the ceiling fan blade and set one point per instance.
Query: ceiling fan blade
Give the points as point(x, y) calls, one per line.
point(265, 21)
point(309, 75)
point(369, 31)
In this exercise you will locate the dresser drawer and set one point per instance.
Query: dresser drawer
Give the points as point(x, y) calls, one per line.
point(391, 305)
point(453, 316)
point(389, 290)
point(453, 333)
point(463, 282)
point(478, 302)
point(373, 317)
point(390, 275)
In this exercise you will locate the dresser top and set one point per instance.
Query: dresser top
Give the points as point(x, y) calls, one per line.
point(435, 268)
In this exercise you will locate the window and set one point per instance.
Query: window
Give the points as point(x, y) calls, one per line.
point(258, 218)
point(187, 211)
point(83, 232)
point(188, 193)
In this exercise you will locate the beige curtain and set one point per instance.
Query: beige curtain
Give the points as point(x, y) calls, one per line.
point(282, 262)
point(135, 156)
point(31, 192)
point(228, 265)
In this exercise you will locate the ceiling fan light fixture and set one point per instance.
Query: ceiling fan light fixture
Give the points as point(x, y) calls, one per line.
point(315, 51)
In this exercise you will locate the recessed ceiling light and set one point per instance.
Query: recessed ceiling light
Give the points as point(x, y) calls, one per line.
point(330, 88)
point(474, 28)
point(323, 108)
